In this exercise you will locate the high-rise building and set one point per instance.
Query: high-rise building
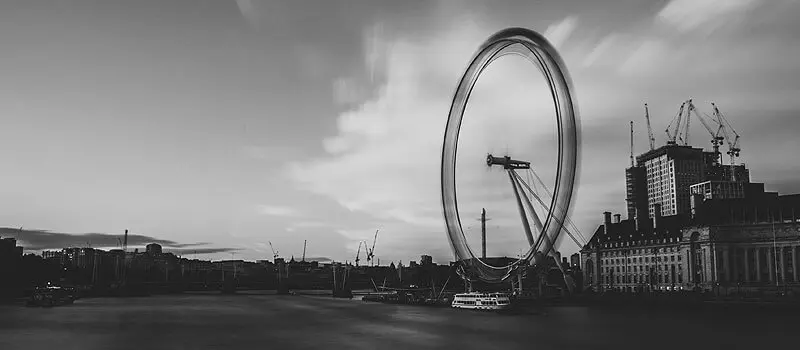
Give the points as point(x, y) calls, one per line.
point(669, 171)
point(670, 175)
point(666, 175)
point(636, 194)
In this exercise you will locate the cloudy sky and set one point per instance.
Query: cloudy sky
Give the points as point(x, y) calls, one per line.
point(228, 124)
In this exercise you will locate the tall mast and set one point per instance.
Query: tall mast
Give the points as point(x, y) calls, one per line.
point(483, 233)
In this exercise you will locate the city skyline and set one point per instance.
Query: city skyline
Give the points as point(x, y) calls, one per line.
point(231, 124)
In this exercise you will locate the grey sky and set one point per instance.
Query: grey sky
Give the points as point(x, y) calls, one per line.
point(242, 122)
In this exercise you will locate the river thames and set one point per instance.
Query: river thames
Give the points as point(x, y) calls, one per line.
point(257, 321)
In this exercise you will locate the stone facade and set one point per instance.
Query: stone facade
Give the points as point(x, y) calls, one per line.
point(723, 258)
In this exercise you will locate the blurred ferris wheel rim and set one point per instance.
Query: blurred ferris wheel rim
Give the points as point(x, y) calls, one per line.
point(538, 50)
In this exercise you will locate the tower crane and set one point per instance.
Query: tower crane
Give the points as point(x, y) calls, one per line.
point(716, 135)
point(730, 136)
point(650, 136)
point(358, 252)
point(371, 252)
point(672, 135)
point(274, 252)
point(632, 163)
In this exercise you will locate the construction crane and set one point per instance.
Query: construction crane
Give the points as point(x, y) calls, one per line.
point(632, 163)
point(371, 252)
point(305, 241)
point(358, 252)
point(716, 135)
point(730, 136)
point(274, 252)
point(672, 135)
point(650, 136)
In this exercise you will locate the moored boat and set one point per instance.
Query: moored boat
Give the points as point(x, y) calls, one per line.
point(481, 301)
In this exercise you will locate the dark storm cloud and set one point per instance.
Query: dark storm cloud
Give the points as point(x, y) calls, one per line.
point(187, 251)
point(322, 260)
point(44, 239)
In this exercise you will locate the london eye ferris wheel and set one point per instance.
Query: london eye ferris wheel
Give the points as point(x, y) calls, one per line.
point(542, 228)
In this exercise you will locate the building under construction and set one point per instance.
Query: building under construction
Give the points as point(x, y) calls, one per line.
point(694, 222)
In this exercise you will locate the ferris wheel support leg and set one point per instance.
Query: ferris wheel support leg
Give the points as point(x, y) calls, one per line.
point(537, 222)
point(523, 216)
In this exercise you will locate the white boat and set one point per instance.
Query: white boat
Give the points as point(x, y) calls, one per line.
point(481, 301)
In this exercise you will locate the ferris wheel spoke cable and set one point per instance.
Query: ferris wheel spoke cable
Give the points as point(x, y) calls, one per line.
point(543, 238)
point(539, 227)
point(567, 230)
point(550, 196)
point(538, 199)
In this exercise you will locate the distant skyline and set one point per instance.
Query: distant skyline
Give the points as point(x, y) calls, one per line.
point(239, 123)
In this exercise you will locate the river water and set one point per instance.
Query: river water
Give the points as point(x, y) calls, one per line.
point(257, 321)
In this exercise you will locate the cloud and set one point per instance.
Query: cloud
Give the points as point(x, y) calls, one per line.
point(558, 33)
point(44, 239)
point(346, 91)
point(249, 12)
point(306, 224)
point(375, 49)
point(601, 49)
point(705, 15)
point(270, 153)
point(642, 60)
point(201, 251)
point(277, 210)
point(383, 159)
point(320, 259)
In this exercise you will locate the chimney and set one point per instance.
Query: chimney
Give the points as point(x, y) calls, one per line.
point(607, 223)
point(656, 216)
point(617, 218)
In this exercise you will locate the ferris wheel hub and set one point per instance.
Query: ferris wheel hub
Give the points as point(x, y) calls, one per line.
point(507, 163)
